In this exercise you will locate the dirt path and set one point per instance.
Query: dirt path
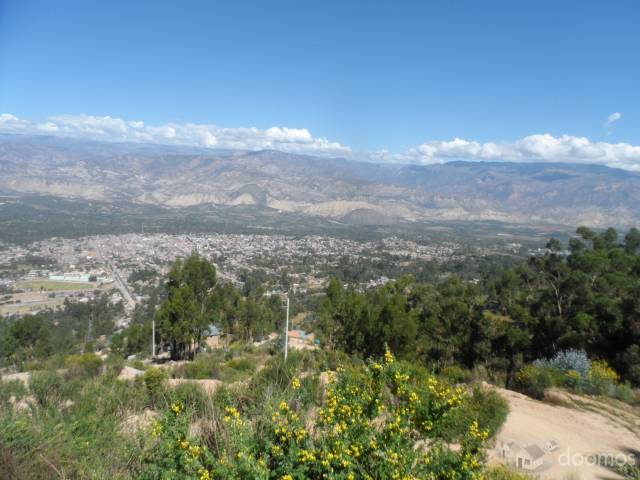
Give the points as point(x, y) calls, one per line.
point(585, 428)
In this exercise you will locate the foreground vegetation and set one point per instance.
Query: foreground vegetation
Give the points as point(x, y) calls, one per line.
point(360, 420)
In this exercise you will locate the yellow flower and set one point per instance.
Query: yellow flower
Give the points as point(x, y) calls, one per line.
point(157, 429)
point(388, 357)
point(295, 383)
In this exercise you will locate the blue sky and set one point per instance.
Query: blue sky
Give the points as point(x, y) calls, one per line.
point(369, 76)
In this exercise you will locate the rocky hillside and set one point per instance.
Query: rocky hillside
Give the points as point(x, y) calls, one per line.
point(348, 191)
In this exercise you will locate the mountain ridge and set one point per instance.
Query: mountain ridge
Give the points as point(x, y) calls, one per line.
point(348, 190)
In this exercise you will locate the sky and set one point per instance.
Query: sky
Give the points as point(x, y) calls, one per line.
point(420, 81)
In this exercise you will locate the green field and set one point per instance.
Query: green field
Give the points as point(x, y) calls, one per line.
point(53, 285)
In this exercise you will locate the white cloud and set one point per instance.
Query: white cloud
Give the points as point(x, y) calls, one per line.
point(611, 119)
point(614, 117)
point(533, 148)
point(295, 140)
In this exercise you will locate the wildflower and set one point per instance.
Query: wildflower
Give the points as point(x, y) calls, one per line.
point(388, 357)
point(157, 430)
point(295, 383)
point(177, 408)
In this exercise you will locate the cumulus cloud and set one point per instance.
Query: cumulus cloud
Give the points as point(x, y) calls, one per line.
point(107, 128)
point(533, 148)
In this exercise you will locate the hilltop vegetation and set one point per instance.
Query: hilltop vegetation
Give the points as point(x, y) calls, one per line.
point(586, 298)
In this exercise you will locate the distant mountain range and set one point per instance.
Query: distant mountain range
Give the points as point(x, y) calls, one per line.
point(343, 190)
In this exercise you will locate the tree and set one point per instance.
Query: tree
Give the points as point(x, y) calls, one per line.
point(632, 241)
point(184, 316)
point(26, 338)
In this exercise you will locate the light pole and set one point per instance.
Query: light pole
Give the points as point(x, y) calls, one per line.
point(286, 332)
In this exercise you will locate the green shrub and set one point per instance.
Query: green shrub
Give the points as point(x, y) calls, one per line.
point(243, 364)
point(533, 380)
point(573, 380)
point(84, 365)
point(192, 396)
point(154, 379)
point(114, 364)
point(625, 393)
point(201, 369)
point(485, 406)
point(48, 388)
point(456, 374)
point(13, 388)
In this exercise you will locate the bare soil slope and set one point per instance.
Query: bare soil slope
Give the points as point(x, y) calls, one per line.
point(581, 426)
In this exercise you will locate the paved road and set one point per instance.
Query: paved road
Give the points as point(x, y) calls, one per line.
point(130, 303)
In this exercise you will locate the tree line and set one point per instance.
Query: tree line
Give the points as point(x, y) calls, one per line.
point(585, 295)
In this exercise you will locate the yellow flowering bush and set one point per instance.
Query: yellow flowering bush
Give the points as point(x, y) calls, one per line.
point(374, 421)
point(175, 456)
point(602, 377)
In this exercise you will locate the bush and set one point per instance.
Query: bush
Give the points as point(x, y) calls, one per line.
point(191, 395)
point(84, 365)
point(456, 374)
point(48, 388)
point(625, 393)
point(154, 379)
point(533, 380)
point(573, 380)
point(567, 360)
point(243, 364)
point(13, 388)
point(370, 422)
point(602, 378)
point(487, 407)
point(201, 369)
point(114, 364)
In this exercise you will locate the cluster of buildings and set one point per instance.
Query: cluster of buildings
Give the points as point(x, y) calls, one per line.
point(303, 256)
point(303, 262)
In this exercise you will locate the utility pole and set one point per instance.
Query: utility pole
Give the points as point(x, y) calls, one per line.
point(286, 332)
point(153, 338)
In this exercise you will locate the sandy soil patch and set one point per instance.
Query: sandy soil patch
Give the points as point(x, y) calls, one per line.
point(23, 377)
point(208, 385)
point(138, 422)
point(587, 427)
